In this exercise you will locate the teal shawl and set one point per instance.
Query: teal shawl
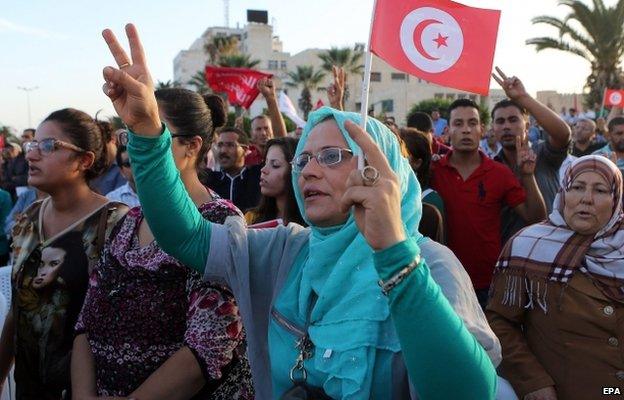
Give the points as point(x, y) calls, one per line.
point(351, 316)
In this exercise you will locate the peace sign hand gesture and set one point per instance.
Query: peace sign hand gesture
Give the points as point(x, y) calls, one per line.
point(335, 91)
point(130, 86)
point(377, 203)
point(513, 87)
point(525, 157)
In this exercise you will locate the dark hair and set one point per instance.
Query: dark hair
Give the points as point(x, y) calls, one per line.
point(31, 130)
point(242, 136)
point(418, 145)
point(615, 122)
point(509, 103)
point(261, 116)
point(193, 114)
point(86, 133)
point(120, 150)
point(267, 208)
point(421, 121)
point(463, 103)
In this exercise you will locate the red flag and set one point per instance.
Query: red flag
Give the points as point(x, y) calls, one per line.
point(437, 40)
point(319, 104)
point(238, 83)
point(614, 98)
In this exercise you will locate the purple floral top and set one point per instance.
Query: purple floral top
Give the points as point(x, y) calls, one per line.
point(142, 306)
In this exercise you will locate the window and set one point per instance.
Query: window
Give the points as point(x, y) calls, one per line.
point(375, 77)
point(461, 96)
point(450, 96)
point(387, 105)
point(358, 106)
point(438, 96)
point(273, 64)
point(473, 97)
point(398, 76)
point(283, 65)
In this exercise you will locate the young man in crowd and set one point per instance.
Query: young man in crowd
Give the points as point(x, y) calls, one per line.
point(423, 122)
point(263, 127)
point(615, 146)
point(125, 193)
point(439, 123)
point(28, 135)
point(112, 178)
point(474, 189)
point(14, 169)
point(236, 182)
point(585, 138)
point(510, 122)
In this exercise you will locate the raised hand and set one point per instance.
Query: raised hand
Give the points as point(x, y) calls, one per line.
point(335, 91)
point(130, 86)
point(266, 88)
point(513, 87)
point(525, 157)
point(377, 205)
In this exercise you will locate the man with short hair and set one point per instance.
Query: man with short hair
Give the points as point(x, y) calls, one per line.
point(235, 182)
point(126, 193)
point(261, 132)
point(615, 147)
point(28, 135)
point(423, 122)
point(474, 189)
point(585, 138)
point(439, 123)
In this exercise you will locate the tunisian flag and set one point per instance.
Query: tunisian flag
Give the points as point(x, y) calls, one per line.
point(614, 98)
point(238, 83)
point(437, 40)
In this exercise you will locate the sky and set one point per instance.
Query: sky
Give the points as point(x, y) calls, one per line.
point(56, 46)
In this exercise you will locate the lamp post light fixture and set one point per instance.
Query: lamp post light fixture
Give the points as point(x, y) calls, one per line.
point(28, 90)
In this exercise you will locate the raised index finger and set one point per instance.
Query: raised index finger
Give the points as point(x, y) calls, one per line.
point(119, 54)
point(136, 48)
point(373, 153)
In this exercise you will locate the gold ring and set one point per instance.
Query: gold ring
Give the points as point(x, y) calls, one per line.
point(370, 175)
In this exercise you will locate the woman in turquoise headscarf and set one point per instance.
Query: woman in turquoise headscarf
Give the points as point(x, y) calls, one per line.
point(311, 295)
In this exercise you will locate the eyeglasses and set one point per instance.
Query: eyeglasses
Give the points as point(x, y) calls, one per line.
point(326, 158)
point(49, 145)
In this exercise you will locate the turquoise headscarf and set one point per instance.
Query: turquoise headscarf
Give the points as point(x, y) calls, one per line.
point(351, 316)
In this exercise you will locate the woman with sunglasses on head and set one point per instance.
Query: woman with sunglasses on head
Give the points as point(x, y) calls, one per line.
point(56, 242)
point(311, 298)
point(278, 199)
point(182, 337)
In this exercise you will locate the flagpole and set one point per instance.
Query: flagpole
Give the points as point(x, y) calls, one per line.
point(604, 95)
point(366, 83)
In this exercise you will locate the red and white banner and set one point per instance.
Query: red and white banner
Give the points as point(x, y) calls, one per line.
point(614, 98)
point(238, 83)
point(440, 41)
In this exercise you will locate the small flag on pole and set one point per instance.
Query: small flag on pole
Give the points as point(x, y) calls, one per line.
point(440, 41)
point(614, 98)
point(238, 83)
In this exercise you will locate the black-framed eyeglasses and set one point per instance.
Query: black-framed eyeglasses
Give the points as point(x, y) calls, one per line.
point(326, 158)
point(49, 145)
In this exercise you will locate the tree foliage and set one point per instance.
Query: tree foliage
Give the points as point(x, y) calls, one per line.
point(306, 78)
point(595, 33)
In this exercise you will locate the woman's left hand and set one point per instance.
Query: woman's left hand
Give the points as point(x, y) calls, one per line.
point(377, 206)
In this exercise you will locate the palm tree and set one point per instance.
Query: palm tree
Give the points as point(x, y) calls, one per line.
point(199, 82)
point(238, 61)
point(221, 46)
point(308, 79)
point(167, 85)
point(350, 59)
point(595, 33)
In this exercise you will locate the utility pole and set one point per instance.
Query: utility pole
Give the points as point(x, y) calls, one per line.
point(226, 12)
point(28, 90)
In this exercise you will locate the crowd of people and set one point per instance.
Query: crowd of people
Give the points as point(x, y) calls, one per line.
point(182, 258)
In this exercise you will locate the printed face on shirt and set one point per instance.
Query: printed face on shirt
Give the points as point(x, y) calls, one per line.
point(588, 203)
point(52, 259)
point(465, 129)
point(509, 123)
point(261, 131)
point(275, 174)
point(321, 187)
point(229, 152)
point(616, 138)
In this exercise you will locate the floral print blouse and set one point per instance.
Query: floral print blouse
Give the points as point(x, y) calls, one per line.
point(142, 306)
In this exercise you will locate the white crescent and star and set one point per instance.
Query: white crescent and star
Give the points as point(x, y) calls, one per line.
point(615, 98)
point(431, 39)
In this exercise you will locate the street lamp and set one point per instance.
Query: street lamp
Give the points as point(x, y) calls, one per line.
point(28, 90)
